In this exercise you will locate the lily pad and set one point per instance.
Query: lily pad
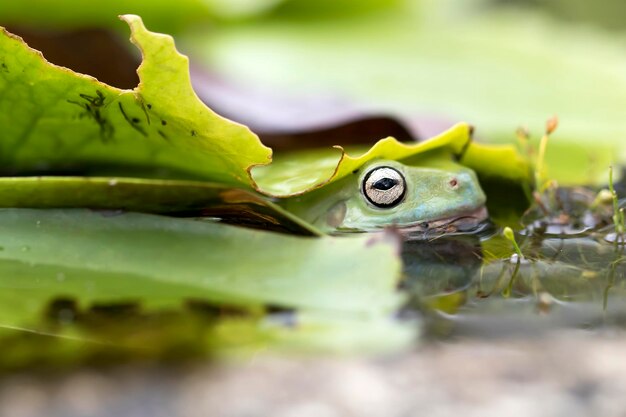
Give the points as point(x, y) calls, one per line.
point(56, 121)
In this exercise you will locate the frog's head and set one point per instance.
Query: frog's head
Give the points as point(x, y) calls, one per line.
point(423, 198)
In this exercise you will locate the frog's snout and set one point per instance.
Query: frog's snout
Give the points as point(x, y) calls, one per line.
point(453, 183)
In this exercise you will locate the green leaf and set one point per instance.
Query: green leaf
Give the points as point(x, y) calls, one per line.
point(337, 286)
point(297, 173)
point(174, 197)
point(56, 121)
point(105, 255)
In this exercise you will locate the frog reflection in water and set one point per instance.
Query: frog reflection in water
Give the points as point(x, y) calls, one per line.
point(435, 195)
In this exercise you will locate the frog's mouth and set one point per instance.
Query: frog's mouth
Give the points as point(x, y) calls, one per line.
point(468, 222)
point(472, 221)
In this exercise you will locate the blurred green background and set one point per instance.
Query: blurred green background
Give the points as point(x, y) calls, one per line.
point(497, 64)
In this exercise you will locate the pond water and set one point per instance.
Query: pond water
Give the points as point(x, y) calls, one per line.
point(571, 275)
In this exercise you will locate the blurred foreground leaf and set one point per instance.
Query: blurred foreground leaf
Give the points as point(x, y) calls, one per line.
point(195, 259)
point(67, 273)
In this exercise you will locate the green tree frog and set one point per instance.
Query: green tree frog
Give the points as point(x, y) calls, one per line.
point(430, 194)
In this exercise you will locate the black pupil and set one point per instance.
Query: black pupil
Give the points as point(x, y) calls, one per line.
point(385, 184)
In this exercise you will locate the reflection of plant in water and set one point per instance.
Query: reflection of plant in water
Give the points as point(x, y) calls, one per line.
point(618, 213)
point(618, 240)
point(508, 234)
point(609, 283)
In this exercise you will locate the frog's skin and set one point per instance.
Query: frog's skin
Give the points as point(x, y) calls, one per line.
point(440, 195)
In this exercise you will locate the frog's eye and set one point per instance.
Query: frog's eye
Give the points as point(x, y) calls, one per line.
point(384, 187)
